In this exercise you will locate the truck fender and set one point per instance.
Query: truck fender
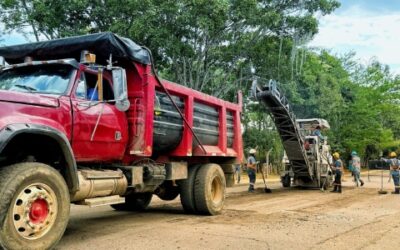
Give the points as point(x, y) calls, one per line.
point(12, 130)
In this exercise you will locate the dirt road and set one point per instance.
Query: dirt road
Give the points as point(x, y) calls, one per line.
point(359, 218)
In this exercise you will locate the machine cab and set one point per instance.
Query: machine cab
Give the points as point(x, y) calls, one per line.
point(315, 142)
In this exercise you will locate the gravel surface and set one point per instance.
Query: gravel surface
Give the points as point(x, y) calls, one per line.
point(292, 218)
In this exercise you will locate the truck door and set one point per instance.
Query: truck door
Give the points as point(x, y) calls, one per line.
point(99, 129)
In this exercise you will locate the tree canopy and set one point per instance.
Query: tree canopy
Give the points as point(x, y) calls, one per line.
point(198, 43)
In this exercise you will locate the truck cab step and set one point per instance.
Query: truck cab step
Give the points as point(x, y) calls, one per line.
point(102, 201)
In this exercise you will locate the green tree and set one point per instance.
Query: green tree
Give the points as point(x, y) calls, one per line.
point(206, 45)
point(372, 116)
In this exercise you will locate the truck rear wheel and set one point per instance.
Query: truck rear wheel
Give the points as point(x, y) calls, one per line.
point(34, 206)
point(134, 202)
point(209, 189)
point(167, 191)
point(187, 190)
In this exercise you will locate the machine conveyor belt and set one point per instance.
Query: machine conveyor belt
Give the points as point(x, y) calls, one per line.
point(285, 122)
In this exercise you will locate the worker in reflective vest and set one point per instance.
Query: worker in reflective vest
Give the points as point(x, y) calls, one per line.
point(356, 168)
point(338, 170)
point(252, 169)
point(394, 171)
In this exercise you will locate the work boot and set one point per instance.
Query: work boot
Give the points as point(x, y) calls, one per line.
point(396, 191)
point(334, 189)
point(340, 189)
point(362, 183)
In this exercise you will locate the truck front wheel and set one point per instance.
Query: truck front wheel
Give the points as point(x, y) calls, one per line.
point(209, 189)
point(34, 206)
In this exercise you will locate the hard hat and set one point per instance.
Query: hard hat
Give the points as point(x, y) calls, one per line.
point(252, 151)
point(354, 152)
point(393, 154)
point(336, 155)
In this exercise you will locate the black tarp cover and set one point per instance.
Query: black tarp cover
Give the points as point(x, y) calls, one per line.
point(101, 44)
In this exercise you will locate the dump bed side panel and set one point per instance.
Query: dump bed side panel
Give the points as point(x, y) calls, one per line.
point(157, 128)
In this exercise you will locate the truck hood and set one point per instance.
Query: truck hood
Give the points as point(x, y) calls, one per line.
point(29, 98)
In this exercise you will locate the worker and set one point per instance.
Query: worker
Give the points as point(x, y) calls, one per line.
point(394, 171)
point(252, 169)
point(238, 172)
point(356, 168)
point(338, 170)
point(317, 132)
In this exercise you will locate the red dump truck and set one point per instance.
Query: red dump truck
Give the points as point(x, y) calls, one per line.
point(86, 120)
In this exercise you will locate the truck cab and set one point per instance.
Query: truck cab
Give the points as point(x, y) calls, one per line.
point(55, 94)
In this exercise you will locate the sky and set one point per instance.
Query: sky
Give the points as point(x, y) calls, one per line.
point(12, 38)
point(371, 28)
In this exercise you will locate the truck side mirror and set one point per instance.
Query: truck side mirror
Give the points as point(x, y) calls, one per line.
point(2, 62)
point(120, 88)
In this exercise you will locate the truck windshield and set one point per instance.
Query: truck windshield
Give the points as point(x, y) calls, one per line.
point(47, 79)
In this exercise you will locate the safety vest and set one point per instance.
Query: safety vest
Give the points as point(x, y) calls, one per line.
point(338, 164)
point(394, 164)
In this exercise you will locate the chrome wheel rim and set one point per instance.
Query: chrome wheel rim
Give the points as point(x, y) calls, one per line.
point(34, 211)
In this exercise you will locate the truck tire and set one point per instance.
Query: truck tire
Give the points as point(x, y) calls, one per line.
point(209, 189)
point(167, 191)
point(286, 181)
point(187, 190)
point(34, 206)
point(134, 202)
